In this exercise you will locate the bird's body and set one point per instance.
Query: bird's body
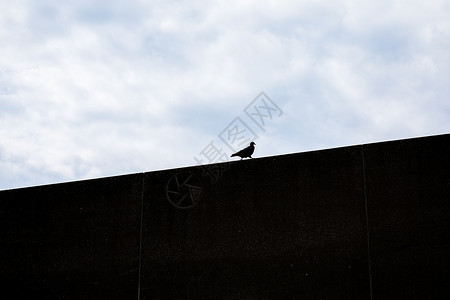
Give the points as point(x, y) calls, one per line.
point(246, 152)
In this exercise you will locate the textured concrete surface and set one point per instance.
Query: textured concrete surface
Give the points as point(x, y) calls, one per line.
point(408, 194)
point(360, 222)
point(71, 241)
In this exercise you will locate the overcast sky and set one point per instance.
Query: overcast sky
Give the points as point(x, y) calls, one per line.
point(98, 88)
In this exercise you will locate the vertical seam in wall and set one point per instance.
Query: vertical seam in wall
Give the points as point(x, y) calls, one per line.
point(141, 229)
point(367, 220)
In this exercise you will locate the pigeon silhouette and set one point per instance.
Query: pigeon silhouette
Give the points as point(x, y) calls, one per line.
point(246, 152)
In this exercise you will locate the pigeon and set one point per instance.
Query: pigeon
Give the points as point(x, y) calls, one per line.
point(247, 152)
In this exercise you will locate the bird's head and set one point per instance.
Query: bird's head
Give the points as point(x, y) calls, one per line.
point(252, 143)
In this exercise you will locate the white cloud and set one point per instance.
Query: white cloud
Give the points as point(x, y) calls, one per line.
point(97, 88)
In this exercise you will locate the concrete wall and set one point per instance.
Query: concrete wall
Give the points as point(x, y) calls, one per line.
point(362, 222)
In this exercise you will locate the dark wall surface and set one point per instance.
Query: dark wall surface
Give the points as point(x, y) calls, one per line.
point(71, 241)
point(360, 222)
point(267, 229)
point(408, 196)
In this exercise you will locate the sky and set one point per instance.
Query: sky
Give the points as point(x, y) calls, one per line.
point(100, 88)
